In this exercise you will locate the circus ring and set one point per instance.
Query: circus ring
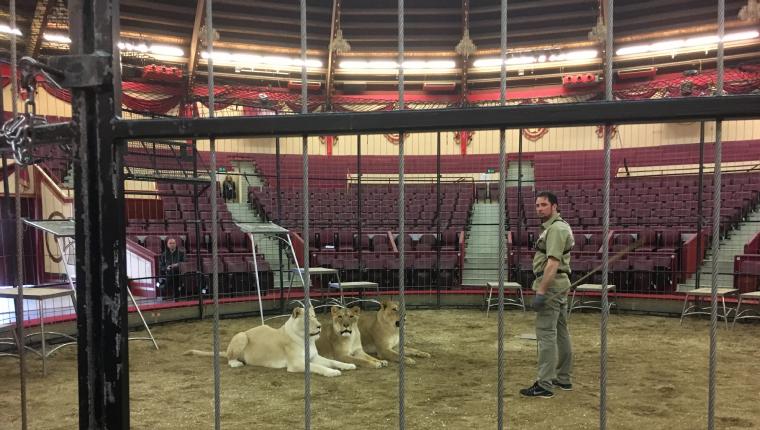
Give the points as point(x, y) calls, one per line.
point(657, 382)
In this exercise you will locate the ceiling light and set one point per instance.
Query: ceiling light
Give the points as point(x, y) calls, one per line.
point(585, 54)
point(157, 49)
point(5, 29)
point(254, 60)
point(392, 65)
point(57, 38)
point(171, 51)
point(675, 44)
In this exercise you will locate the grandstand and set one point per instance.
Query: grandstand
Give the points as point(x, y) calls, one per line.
point(404, 169)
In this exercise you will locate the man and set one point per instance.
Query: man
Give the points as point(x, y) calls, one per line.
point(551, 265)
point(169, 266)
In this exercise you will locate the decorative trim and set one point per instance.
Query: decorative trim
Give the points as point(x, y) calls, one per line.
point(600, 131)
point(394, 137)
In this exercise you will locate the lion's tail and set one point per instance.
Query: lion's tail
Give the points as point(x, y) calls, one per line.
point(222, 354)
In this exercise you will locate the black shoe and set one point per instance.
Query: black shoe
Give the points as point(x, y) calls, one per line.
point(537, 391)
point(561, 386)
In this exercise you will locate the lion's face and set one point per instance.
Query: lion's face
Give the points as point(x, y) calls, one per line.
point(315, 327)
point(389, 312)
point(344, 320)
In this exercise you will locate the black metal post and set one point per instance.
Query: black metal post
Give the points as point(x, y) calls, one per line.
point(6, 189)
point(279, 218)
point(359, 196)
point(10, 268)
point(100, 229)
point(699, 200)
point(438, 221)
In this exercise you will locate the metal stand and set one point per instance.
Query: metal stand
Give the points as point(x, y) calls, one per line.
point(63, 231)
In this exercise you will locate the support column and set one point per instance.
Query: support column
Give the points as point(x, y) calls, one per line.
point(100, 229)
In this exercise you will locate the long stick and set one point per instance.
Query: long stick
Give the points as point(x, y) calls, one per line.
point(627, 250)
point(630, 248)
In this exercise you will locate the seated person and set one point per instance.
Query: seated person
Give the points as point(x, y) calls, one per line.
point(169, 267)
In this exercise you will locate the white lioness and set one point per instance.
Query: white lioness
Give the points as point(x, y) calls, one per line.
point(380, 334)
point(341, 339)
point(282, 347)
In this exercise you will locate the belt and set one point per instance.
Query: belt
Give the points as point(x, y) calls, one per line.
point(559, 272)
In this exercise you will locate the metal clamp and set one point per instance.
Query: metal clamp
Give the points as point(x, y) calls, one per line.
point(82, 71)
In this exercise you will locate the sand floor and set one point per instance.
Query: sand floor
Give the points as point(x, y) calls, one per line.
point(657, 380)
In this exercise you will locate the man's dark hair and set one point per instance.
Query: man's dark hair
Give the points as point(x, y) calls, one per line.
point(549, 196)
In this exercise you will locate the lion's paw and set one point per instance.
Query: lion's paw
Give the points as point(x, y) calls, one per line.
point(381, 363)
point(424, 354)
point(332, 372)
point(348, 366)
point(236, 363)
point(408, 360)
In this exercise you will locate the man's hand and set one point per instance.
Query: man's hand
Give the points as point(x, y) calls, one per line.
point(539, 302)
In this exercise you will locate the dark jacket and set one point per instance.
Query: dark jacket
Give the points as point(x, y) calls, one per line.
point(168, 258)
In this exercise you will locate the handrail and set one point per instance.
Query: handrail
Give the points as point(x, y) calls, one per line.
point(54, 186)
point(753, 246)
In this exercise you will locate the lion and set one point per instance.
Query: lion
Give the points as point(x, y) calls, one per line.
point(282, 347)
point(380, 334)
point(341, 339)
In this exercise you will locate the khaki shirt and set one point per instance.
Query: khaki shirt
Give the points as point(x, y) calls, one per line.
point(556, 240)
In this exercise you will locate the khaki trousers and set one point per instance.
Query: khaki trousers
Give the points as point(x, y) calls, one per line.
point(555, 352)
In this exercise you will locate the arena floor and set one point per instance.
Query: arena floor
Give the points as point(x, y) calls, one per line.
point(657, 379)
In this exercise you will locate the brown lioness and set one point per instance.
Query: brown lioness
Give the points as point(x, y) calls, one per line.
point(380, 334)
point(341, 339)
point(282, 347)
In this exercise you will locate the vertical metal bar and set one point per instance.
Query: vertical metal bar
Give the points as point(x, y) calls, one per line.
point(713, 367)
point(700, 216)
point(6, 188)
point(502, 215)
point(402, 231)
point(359, 194)
point(256, 276)
point(214, 219)
point(306, 277)
point(197, 230)
point(520, 206)
point(197, 227)
point(100, 229)
point(608, 51)
point(438, 220)
point(279, 219)
point(19, 268)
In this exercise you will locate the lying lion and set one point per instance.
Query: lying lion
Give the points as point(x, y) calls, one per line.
point(278, 348)
point(380, 334)
point(341, 339)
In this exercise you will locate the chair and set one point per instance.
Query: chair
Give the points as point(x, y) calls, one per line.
point(700, 293)
point(748, 312)
point(518, 301)
point(426, 242)
point(380, 243)
point(346, 240)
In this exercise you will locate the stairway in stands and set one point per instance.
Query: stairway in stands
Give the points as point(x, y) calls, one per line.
point(250, 177)
point(68, 179)
point(729, 248)
point(266, 245)
point(481, 256)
